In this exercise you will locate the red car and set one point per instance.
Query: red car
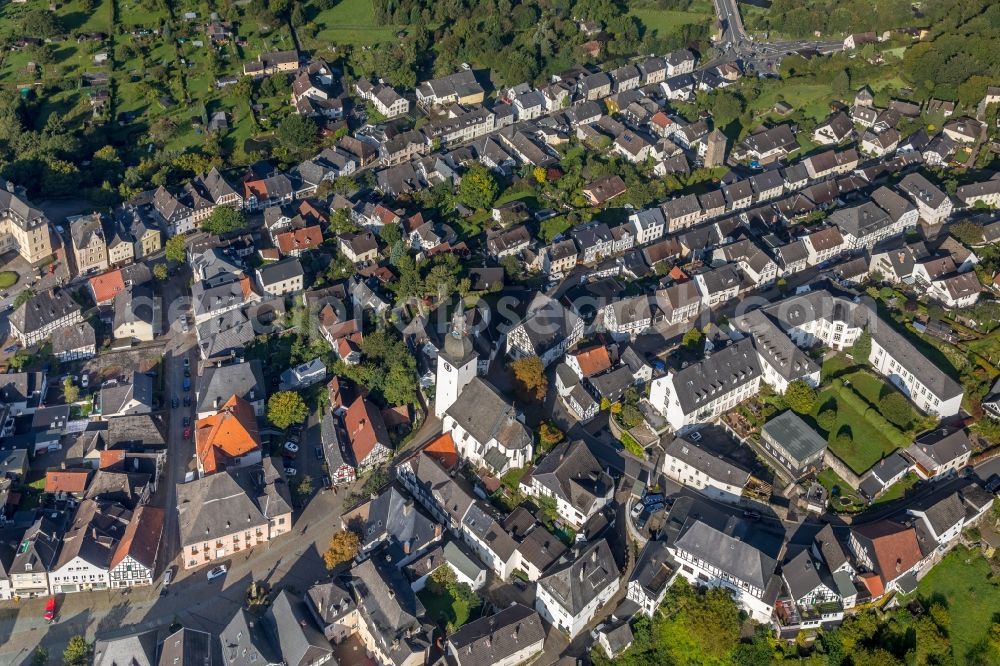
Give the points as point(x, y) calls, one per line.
point(50, 609)
point(187, 433)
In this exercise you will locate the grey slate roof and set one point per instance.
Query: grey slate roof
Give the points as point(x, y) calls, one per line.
point(944, 444)
point(573, 474)
point(797, 438)
point(860, 221)
point(803, 574)
point(298, 640)
point(43, 309)
point(490, 640)
point(723, 371)
point(187, 646)
point(224, 381)
point(726, 552)
point(654, 568)
point(389, 607)
point(942, 513)
point(711, 463)
point(574, 584)
point(393, 517)
point(486, 415)
point(280, 271)
point(245, 643)
point(480, 522)
point(132, 650)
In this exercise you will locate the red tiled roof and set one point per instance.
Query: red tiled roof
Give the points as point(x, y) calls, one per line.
point(365, 428)
point(230, 433)
point(142, 537)
point(895, 548)
point(111, 459)
point(305, 238)
point(593, 361)
point(443, 450)
point(106, 285)
point(66, 480)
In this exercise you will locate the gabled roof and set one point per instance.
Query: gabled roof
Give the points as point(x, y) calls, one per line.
point(230, 433)
point(571, 472)
point(142, 537)
point(576, 583)
point(892, 547)
point(365, 428)
point(592, 361)
point(499, 637)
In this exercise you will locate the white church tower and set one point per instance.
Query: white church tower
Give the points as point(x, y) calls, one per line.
point(456, 365)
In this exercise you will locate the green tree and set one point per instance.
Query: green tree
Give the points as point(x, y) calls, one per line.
point(175, 249)
point(285, 408)
point(341, 222)
point(297, 135)
point(827, 419)
point(896, 409)
point(70, 391)
point(40, 657)
point(800, 396)
point(966, 232)
point(223, 220)
point(693, 339)
point(160, 272)
point(478, 188)
point(861, 350)
point(77, 653)
point(23, 297)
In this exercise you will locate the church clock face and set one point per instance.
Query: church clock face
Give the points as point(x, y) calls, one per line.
point(447, 367)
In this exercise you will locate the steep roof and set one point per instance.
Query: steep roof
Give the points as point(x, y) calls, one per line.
point(576, 583)
point(486, 415)
point(892, 547)
point(365, 428)
point(230, 433)
point(491, 640)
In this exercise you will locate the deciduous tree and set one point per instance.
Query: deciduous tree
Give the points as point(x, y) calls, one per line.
point(800, 397)
point(285, 408)
point(529, 374)
point(343, 547)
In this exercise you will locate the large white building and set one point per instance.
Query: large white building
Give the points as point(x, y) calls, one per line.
point(570, 594)
point(724, 556)
point(487, 430)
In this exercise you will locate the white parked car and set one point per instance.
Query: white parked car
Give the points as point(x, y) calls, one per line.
point(291, 471)
point(217, 572)
point(291, 447)
point(637, 509)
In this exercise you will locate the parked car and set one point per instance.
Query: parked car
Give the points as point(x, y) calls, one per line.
point(318, 451)
point(50, 609)
point(655, 498)
point(637, 509)
point(85, 380)
point(175, 403)
point(751, 515)
point(187, 433)
point(217, 572)
point(993, 483)
point(187, 421)
point(187, 401)
point(327, 482)
point(291, 471)
point(291, 447)
point(187, 362)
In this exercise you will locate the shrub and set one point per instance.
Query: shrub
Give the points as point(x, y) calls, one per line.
point(827, 419)
point(800, 397)
point(896, 409)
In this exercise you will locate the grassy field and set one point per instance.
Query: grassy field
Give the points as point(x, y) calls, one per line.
point(445, 609)
point(868, 444)
point(351, 22)
point(842, 496)
point(666, 21)
point(960, 581)
point(898, 490)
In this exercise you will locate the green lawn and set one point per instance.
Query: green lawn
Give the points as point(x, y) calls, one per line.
point(7, 279)
point(445, 609)
point(899, 489)
point(352, 22)
point(830, 480)
point(869, 445)
point(667, 21)
point(973, 603)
